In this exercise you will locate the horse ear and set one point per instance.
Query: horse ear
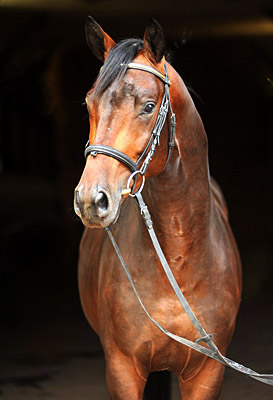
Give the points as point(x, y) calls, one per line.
point(154, 41)
point(98, 41)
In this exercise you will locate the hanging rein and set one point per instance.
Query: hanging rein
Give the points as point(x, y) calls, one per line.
point(211, 351)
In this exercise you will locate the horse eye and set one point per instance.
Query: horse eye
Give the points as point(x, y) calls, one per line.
point(148, 108)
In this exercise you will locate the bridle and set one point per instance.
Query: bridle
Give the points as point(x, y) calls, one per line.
point(211, 351)
point(154, 141)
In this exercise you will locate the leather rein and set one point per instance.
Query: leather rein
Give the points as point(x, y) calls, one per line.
point(211, 351)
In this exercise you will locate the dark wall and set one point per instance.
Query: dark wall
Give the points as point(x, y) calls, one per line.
point(46, 69)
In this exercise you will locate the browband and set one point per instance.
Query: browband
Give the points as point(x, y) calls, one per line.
point(153, 71)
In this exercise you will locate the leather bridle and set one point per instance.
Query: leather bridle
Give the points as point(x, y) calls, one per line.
point(154, 140)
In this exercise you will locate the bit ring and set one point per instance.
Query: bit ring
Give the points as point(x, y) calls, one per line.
point(141, 186)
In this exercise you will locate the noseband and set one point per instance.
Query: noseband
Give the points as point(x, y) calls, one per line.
point(154, 140)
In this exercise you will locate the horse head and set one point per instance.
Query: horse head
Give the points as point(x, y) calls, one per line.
point(123, 106)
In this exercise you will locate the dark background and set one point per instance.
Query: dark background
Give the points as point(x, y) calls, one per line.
point(224, 52)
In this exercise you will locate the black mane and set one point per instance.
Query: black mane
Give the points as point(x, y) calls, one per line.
point(123, 53)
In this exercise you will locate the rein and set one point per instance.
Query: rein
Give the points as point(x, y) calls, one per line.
point(212, 350)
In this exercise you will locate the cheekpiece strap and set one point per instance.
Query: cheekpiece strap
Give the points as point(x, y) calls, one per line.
point(162, 114)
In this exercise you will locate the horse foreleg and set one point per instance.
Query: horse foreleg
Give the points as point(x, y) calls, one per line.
point(123, 380)
point(205, 385)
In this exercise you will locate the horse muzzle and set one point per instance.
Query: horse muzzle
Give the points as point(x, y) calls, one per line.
point(97, 207)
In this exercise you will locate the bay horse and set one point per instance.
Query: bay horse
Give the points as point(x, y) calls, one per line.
point(189, 216)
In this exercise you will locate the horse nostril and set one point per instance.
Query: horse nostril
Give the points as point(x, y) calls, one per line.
point(101, 203)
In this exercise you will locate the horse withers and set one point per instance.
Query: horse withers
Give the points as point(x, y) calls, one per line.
point(189, 217)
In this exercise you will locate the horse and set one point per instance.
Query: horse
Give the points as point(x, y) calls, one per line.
point(189, 215)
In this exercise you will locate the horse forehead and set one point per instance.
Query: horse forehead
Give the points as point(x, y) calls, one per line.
point(116, 95)
point(129, 88)
point(124, 88)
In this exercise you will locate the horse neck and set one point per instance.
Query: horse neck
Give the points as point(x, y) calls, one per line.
point(180, 197)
